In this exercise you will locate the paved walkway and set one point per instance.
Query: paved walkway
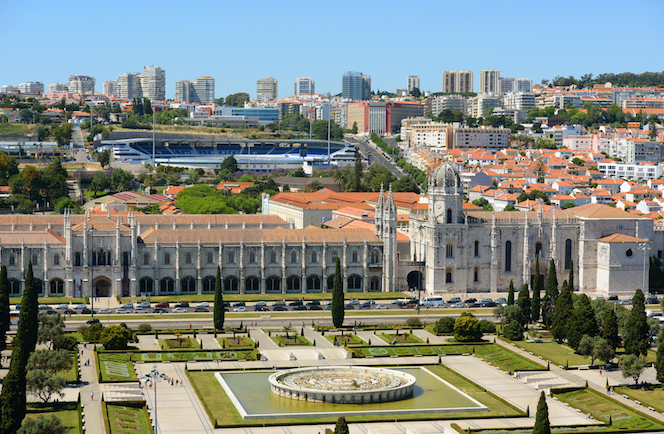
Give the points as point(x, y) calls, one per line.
point(94, 422)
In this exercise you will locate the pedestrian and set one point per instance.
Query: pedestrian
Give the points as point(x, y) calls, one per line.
point(189, 326)
point(600, 372)
point(92, 396)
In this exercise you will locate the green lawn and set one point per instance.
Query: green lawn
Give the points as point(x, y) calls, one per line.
point(238, 342)
point(603, 408)
point(50, 300)
point(652, 396)
point(71, 375)
point(15, 129)
point(220, 408)
point(558, 354)
point(178, 356)
point(345, 339)
point(386, 351)
point(292, 340)
point(128, 418)
point(401, 338)
point(506, 359)
point(166, 344)
point(116, 367)
point(67, 412)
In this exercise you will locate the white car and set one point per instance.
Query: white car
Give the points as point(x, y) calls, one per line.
point(121, 310)
point(178, 309)
point(105, 310)
point(381, 306)
point(240, 309)
point(80, 306)
point(61, 306)
point(203, 304)
point(140, 310)
point(127, 306)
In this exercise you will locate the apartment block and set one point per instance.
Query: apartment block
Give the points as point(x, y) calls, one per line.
point(437, 136)
point(480, 103)
point(447, 102)
point(111, 87)
point(267, 89)
point(491, 139)
point(303, 86)
point(356, 86)
point(381, 117)
point(519, 100)
point(153, 83)
point(58, 87)
point(413, 82)
point(129, 86)
point(200, 90)
point(457, 81)
point(489, 81)
point(81, 84)
point(31, 87)
point(511, 84)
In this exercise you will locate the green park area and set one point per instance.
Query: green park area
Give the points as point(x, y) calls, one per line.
point(605, 409)
point(400, 338)
point(238, 342)
point(67, 412)
point(291, 340)
point(116, 367)
point(178, 342)
point(345, 340)
point(128, 417)
point(196, 356)
point(648, 395)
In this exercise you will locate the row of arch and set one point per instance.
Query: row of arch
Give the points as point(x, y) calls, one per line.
point(230, 257)
point(56, 287)
point(252, 284)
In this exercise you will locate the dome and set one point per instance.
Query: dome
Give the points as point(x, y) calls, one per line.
point(446, 176)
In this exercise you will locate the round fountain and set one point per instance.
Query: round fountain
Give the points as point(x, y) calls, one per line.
point(343, 384)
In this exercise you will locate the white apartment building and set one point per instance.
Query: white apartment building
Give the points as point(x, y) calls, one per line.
point(303, 86)
point(153, 83)
point(519, 101)
point(639, 150)
point(478, 104)
point(81, 84)
point(129, 86)
point(183, 91)
point(643, 102)
point(491, 139)
point(200, 90)
point(448, 102)
point(377, 119)
point(58, 87)
point(489, 81)
point(31, 87)
point(631, 171)
point(436, 136)
point(111, 87)
point(511, 84)
point(413, 82)
point(457, 81)
point(267, 89)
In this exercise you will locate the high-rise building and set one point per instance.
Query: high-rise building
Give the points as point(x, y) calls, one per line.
point(129, 86)
point(183, 91)
point(31, 87)
point(413, 82)
point(457, 81)
point(200, 90)
point(111, 87)
point(356, 86)
point(303, 86)
point(511, 84)
point(267, 89)
point(489, 81)
point(58, 87)
point(81, 84)
point(153, 83)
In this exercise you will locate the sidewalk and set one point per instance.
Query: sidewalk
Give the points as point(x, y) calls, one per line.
point(94, 423)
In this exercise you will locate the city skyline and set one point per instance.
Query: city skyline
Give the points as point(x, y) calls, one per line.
point(239, 71)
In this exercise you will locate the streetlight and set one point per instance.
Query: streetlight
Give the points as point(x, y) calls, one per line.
point(92, 270)
point(155, 376)
point(419, 284)
point(644, 247)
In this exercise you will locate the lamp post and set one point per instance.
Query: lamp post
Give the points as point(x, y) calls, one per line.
point(155, 376)
point(644, 247)
point(92, 271)
point(419, 283)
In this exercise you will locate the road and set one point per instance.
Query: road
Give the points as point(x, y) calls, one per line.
point(377, 155)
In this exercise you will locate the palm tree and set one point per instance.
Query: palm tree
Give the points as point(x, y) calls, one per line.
point(340, 177)
point(150, 182)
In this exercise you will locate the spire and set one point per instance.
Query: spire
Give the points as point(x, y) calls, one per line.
point(390, 201)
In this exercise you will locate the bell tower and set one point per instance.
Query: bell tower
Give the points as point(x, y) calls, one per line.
point(445, 196)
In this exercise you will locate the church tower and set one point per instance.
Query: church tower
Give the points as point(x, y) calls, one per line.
point(389, 237)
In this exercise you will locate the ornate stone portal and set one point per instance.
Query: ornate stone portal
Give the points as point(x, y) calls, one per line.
point(343, 384)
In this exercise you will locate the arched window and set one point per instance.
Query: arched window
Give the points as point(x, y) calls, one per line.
point(56, 259)
point(146, 285)
point(334, 256)
point(187, 258)
point(167, 259)
point(330, 283)
point(35, 259)
point(252, 284)
point(449, 251)
point(449, 215)
point(57, 287)
point(187, 285)
point(273, 284)
point(77, 259)
point(354, 283)
point(231, 257)
point(12, 260)
point(231, 284)
point(273, 257)
point(146, 259)
point(166, 285)
point(14, 287)
point(375, 257)
point(477, 248)
point(293, 284)
point(252, 257)
point(293, 257)
point(448, 277)
point(313, 284)
point(208, 284)
point(568, 254)
point(210, 258)
point(374, 285)
point(314, 257)
point(354, 257)
point(39, 286)
point(476, 274)
point(538, 249)
point(508, 256)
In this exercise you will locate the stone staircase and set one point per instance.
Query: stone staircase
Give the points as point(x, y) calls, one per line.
point(543, 380)
point(122, 392)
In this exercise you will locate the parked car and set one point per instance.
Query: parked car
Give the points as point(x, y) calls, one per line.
point(300, 307)
point(279, 303)
point(485, 303)
point(140, 310)
point(454, 300)
point(261, 308)
point(70, 312)
point(501, 300)
point(121, 310)
point(260, 303)
point(92, 321)
point(79, 306)
point(296, 303)
point(365, 305)
point(314, 303)
point(105, 310)
point(470, 300)
point(162, 304)
point(18, 307)
point(348, 306)
point(61, 306)
point(145, 305)
point(87, 311)
point(182, 304)
point(203, 304)
point(240, 309)
point(354, 302)
point(279, 307)
point(51, 312)
point(315, 307)
point(179, 309)
point(459, 305)
point(381, 306)
point(328, 307)
point(238, 304)
point(44, 307)
point(201, 309)
point(613, 298)
point(159, 310)
point(652, 299)
point(127, 306)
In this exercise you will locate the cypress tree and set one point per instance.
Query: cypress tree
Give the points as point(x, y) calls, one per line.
point(219, 309)
point(338, 297)
point(13, 399)
point(659, 363)
point(542, 424)
point(510, 294)
point(357, 172)
point(563, 315)
point(550, 295)
point(636, 330)
point(583, 321)
point(524, 304)
point(610, 329)
point(4, 307)
point(342, 426)
point(570, 279)
point(537, 304)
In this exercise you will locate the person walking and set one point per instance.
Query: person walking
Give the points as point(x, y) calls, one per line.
point(92, 396)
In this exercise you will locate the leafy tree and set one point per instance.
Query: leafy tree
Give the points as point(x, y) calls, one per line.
point(542, 424)
point(100, 182)
point(483, 203)
point(632, 365)
point(636, 329)
point(603, 350)
point(121, 181)
point(563, 315)
point(62, 133)
point(115, 337)
point(50, 328)
point(415, 92)
point(230, 164)
point(467, 329)
point(104, 158)
point(583, 322)
point(487, 327)
point(44, 385)
point(4, 307)
point(42, 425)
point(537, 303)
point(525, 307)
point(68, 343)
point(353, 130)
point(406, 184)
point(586, 347)
point(510, 207)
point(147, 107)
point(514, 331)
point(338, 297)
point(219, 309)
point(315, 186)
point(610, 329)
point(444, 326)
point(510, 294)
point(237, 99)
point(550, 294)
point(659, 363)
point(342, 426)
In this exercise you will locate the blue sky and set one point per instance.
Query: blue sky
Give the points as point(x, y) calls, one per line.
point(238, 42)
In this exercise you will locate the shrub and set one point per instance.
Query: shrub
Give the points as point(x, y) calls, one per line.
point(514, 331)
point(444, 326)
point(115, 337)
point(413, 322)
point(65, 343)
point(487, 326)
point(144, 328)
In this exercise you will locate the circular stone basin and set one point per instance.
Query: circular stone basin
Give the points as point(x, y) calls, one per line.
point(342, 384)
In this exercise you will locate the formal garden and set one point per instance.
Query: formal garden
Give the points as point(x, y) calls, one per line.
point(126, 417)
